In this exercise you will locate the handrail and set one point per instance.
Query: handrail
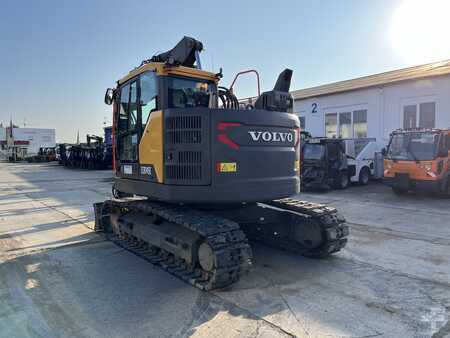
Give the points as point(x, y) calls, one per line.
point(246, 72)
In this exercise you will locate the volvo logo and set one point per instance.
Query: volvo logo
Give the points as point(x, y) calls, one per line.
point(271, 136)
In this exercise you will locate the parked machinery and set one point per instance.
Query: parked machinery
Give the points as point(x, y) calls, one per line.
point(61, 152)
point(418, 159)
point(330, 162)
point(207, 176)
point(324, 164)
point(94, 154)
point(46, 154)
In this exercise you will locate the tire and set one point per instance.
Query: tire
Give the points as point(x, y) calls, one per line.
point(399, 191)
point(446, 187)
point(364, 176)
point(342, 181)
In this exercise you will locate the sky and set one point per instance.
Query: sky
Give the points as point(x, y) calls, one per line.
point(57, 57)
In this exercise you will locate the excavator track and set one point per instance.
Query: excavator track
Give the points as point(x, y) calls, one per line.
point(311, 229)
point(332, 225)
point(230, 252)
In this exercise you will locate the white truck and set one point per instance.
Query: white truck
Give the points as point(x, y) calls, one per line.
point(364, 158)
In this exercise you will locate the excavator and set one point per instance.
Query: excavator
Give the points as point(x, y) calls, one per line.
point(198, 178)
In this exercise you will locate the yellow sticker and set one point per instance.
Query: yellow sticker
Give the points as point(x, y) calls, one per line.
point(228, 167)
point(297, 166)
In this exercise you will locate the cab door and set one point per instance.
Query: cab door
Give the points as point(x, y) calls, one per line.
point(128, 130)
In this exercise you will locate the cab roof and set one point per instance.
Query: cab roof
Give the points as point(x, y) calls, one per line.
point(323, 140)
point(162, 69)
point(421, 130)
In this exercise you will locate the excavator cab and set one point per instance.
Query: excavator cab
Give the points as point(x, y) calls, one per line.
point(179, 137)
point(418, 159)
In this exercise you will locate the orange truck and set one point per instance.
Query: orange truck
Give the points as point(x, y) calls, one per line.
point(418, 160)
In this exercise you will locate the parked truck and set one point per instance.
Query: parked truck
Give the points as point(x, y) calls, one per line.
point(418, 160)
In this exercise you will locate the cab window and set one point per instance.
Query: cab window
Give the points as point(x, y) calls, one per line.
point(443, 147)
point(123, 113)
point(133, 107)
point(149, 94)
point(127, 123)
point(188, 93)
point(333, 151)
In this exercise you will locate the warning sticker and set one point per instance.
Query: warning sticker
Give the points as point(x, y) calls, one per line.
point(227, 167)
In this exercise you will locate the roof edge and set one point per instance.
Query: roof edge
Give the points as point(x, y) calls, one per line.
point(404, 74)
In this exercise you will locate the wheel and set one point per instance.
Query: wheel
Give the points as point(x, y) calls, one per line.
point(446, 187)
point(309, 235)
point(364, 176)
point(399, 191)
point(342, 180)
point(206, 257)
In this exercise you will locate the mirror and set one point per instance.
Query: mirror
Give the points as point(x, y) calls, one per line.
point(109, 96)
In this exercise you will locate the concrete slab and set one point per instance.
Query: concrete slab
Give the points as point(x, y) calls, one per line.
point(59, 279)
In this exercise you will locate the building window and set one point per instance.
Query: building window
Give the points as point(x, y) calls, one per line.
point(360, 123)
point(409, 116)
point(426, 119)
point(331, 125)
point(345, 125)
point(302, 123)
point(427, 115)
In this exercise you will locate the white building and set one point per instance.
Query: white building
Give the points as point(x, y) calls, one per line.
point(26, 141)
point(374, 106)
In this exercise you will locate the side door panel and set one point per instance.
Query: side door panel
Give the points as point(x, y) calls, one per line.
point(151, 129)
point(128, 131)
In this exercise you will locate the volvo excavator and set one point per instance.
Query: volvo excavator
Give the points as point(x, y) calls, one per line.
point(198, 178)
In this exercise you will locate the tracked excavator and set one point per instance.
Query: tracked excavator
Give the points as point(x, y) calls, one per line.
point(197, 178)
